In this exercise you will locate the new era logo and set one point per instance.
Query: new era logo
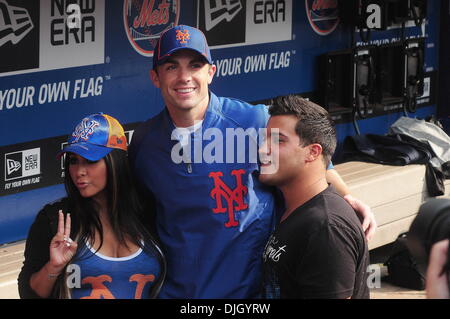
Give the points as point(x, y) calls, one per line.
point(22, 164)
point(12, 166)
point(219, 10)
point(15, 23)
point(224, 22)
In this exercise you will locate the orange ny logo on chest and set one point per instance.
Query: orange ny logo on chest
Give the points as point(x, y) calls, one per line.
point(231, 196)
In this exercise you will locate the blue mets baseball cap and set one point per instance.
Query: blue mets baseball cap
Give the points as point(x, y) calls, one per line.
point(177, 38)
point(95, 137)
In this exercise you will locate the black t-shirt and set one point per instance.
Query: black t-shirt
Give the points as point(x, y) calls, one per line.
point(319, 251)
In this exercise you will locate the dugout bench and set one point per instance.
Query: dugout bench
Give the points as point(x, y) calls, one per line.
point(394, 193)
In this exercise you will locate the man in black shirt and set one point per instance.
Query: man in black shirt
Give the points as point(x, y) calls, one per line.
point(318, 250)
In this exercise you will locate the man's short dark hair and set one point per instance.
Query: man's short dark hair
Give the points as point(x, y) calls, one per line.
point(314, 125)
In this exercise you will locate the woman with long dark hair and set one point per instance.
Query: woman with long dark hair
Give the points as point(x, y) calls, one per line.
point(97, 242)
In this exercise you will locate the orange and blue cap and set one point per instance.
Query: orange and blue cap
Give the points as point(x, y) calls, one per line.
point(178, 38)
point(95, 137)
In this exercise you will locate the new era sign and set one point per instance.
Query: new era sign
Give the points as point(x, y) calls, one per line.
point(22, 164)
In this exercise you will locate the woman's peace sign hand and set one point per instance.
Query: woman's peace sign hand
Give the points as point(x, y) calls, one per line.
point(62, 248)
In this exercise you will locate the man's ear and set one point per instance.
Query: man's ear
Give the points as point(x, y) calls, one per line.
point(315, 150)
point(155, 78)
point(212, 71)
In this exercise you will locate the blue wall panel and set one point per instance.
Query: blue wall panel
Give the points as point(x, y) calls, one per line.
point(106, 73)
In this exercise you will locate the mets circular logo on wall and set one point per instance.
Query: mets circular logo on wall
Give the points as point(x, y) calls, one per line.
point(322, 15)
point(145, 20)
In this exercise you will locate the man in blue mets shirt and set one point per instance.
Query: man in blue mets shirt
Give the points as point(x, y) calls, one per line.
point(213, 216)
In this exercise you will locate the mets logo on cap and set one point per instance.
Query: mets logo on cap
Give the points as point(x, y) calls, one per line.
point(100, 129)
point(183, 36)
point(322, 15)
point(145, 20)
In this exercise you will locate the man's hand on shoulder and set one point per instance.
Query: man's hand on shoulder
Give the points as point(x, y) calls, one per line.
point(369, 224)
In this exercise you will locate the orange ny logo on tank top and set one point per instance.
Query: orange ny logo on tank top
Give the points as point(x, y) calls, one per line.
point(100, 291)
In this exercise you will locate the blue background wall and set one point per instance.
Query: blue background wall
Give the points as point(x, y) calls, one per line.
point(126, 93)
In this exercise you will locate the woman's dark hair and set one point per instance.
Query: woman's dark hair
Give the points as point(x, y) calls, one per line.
point(127, 210)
